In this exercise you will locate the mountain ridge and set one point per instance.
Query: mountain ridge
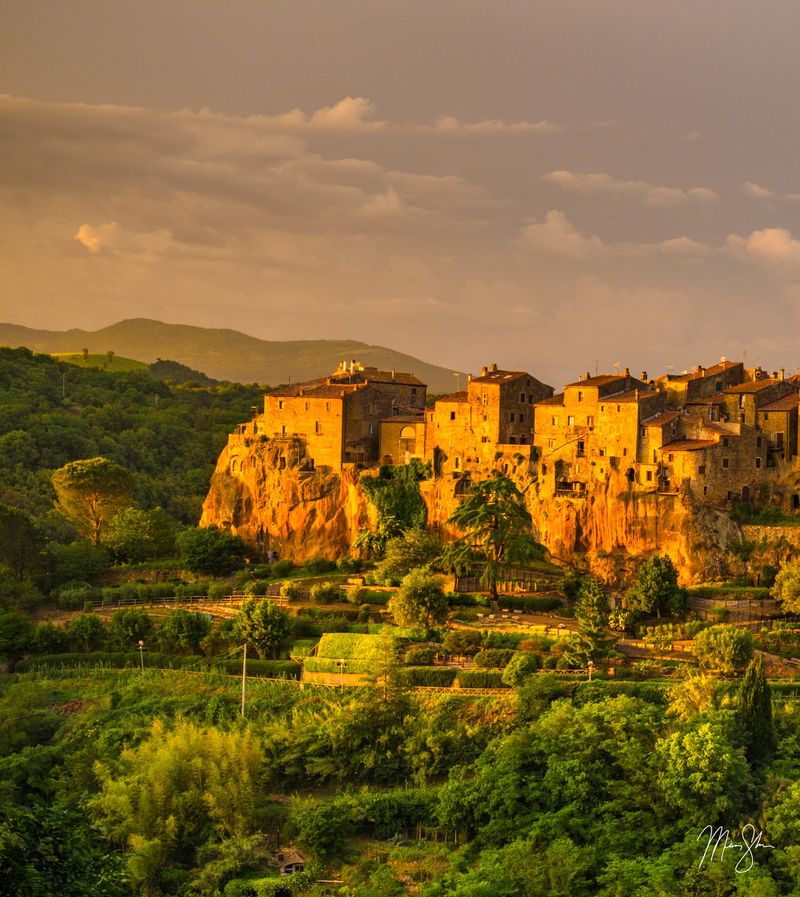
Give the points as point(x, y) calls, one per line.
point(224, 353)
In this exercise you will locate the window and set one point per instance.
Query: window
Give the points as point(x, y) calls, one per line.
point(702, 470)
point(551, 443)
point(758, 463)
point(522, 397)
point(452, 415)
point(307, 406)
point(327, 406)
point(758, 442)
point(670, 458)
point(766, 415)
point(530, 400)
point(619, 408)
point(280, 405)
point(486, 417)
point(570, 421)
point(641, 432)
point(590, 421)
point(705, 490)
point(554, 421)
point(649, 476)
point(317, 428)
point(724, 441)
point(485, 398)
point(580, 396)
point(371, 429)
point(581, 448)
point(511, 417)
point(457, 463)
point(602, 408)
point(512, 439)
point(283, 430)
point(725, 464)
point(602, 453)
point(625, 453)
point(484, 438)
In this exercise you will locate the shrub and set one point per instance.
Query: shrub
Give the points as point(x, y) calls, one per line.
point(519, 668)
point(357, 595)
point(278, 569)
point(420, 656)
point(481, 679)
point(436, 677)
point(349, 564)
point(291, 591)
point(462, 642)
point(325, 593)
point(493, 658)
point(531, 604)
point(317, 566)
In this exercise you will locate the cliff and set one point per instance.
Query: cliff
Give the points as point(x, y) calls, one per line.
point(265, 491)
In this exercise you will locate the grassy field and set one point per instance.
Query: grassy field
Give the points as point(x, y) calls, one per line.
point(115, 363)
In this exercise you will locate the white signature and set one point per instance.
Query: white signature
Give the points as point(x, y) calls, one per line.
point(719, 839)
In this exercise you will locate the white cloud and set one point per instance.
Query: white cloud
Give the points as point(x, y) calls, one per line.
point(757, 191)
point(556, 235)
point(488, 127)
point(772, 247)
point(600, 183)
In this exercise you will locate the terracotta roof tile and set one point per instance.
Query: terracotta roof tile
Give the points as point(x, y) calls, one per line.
point(787, 403)
point(687, 445)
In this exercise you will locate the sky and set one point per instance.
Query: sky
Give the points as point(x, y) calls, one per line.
point(552, 186)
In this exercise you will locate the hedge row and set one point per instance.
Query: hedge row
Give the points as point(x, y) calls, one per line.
point(270, 669)
point(481, 679)
point(438, 677)
point(519, 602)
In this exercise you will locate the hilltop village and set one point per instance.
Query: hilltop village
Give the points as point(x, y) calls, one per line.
point(709, 438)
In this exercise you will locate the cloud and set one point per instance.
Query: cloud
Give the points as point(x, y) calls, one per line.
point(757, 191)
point(452, 126)
point(771, 247)
point(556, 235)
point(350, 114)
point(599, 183)
point(110, 238)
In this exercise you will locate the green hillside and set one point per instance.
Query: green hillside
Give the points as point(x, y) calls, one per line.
point(105, 361)
point(224, 354)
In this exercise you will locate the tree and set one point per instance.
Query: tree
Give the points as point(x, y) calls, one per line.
point(723, 648)
point(184, 630)
point(263, 625)
point(519, 668)
point(90, 492)
point(415, 548)
point(462, 642)
point(16, 632)
point(420, 600)
point(19, 548)
point(656, 588)
point(591, 642)
point(787, 587)
point(128, 627)
point(497, 527)
point(49, 639)
point(134, 535)
point(210, 549)
point(86, 632)
point(755, 713)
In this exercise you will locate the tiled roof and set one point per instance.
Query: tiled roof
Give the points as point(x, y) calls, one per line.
point(557, 399)
point(317, 391)
point(753, 386)
point(376, 376)
point(716, 399)
point(659, 420)
point(454, 397)
point(687, 445)
point(787, 403)
point(597, 380)
point(404, 419)
point(707, 372)
point(501, 376)
point(630, 395)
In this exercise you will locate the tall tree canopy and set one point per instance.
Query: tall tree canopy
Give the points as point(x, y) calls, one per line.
point(90, 492)
point(497, 529)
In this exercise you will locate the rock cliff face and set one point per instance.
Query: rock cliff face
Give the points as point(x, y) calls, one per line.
point(264, 491)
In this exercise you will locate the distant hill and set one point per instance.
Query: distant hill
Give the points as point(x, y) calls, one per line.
point(104, 362)
point(225, 354)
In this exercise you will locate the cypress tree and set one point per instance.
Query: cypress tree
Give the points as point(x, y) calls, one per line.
point(755, 713)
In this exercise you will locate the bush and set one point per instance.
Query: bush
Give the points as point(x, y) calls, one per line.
point(325, 593)
point(462, 642)
point(519, 668)
point(493, 658)
point(279, 569)
point(457, 599)
point(481, 679)
point(291, 591)
point(269, 669)
point(318, 566)
point(210, 550)
point(437, 677)
point(357, 595)
point(530, 604)
point(420, 656)
point(349, 564)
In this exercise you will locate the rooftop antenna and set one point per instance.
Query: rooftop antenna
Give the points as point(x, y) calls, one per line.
point(596, 366)
point(457, 375)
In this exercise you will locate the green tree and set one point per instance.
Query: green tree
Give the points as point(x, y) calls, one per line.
point(415, 548)
point(497, 527)
point(263, 625)
point(787, 587)
point(754, 707)
point(90, 492)
point(16, 633)
point(210, 549)
point(592, 641)
point(134, 535)
point(184, 630)
point(420, 601)
point(656, 588)
point(49, 639)
point(520, 667)
point(19, 544)
point(86, 632)
point(723, 648)
point(462, 642)
point(128, 627)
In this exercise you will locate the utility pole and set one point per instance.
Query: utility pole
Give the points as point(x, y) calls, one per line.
point(244, 677)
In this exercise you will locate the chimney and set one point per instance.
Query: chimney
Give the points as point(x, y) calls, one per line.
point(586, 375)
point(643, 378)
point(723, 359)
point(484, 371)
point(493, 367)
point(469, 378)
point(636, 394)
point(627, 372)
point(783, 373)
point(392, 373)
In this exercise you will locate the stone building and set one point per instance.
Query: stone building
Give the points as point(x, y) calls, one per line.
point(493, 415)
